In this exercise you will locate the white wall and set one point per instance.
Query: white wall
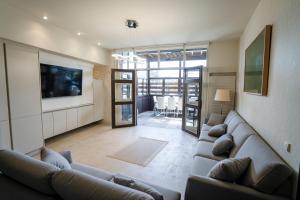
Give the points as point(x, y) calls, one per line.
point(276, 117)
point(222, 57)
point(18, 26)
point(87, 82)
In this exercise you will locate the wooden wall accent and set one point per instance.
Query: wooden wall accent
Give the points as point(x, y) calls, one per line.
point(100, 72)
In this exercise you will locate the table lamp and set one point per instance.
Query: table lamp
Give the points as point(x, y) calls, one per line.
point(222, 95)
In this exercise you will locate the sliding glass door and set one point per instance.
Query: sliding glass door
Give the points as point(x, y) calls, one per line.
point(192, 101)
point(123, 98)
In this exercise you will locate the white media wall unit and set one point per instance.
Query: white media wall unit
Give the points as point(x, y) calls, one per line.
point(63, 114)
point(24, 95)
point(26, 119)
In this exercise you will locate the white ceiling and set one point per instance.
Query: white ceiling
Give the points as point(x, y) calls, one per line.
point(160, 21)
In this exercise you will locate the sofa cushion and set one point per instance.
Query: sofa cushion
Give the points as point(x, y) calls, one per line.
point(205, 137)
point(230, 116)
point(28, 171)
point(206, 127)
point(201, 166)
point(223, 145)
point(99, 173)
point(204, 149)
point(217, 130)
point(75, 185)
point(54, 158)
point(266, 171)
point(240, 134)
point(67, 155)
point(137, 185)
point(215, 119)
point(233, 123)
point(230, 169)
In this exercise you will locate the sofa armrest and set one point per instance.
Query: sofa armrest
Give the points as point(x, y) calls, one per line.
point(67, 155)
point(200, 187)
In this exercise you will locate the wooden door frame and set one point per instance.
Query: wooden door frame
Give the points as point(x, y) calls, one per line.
point(133, 96)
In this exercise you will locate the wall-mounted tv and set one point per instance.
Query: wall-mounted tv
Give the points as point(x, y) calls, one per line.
point(57, 81)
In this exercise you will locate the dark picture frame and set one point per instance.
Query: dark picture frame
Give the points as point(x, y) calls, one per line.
point(257, 61)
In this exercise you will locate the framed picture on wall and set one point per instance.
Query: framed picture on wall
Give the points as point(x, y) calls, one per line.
point(257, 59)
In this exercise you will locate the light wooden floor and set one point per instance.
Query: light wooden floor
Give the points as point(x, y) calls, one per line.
point(91, 145)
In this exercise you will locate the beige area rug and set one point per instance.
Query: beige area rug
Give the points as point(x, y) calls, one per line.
point(141, 151)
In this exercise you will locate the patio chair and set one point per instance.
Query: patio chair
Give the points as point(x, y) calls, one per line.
point(179, 107)
point(155, 105)
point(171, 107)
point(161, 108)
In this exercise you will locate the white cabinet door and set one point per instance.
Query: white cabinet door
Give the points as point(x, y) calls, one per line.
point(99, 100)
point(23, 77)
point(23, 74)
point(5, 141)
point(60, 121)
point(3, 94)
point(72, 119)
point(48, 125)
point(85, 115)
point(27, 134)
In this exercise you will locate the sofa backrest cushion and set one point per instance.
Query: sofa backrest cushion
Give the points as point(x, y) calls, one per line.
point(240, 134)
point(233, 123)
point(266, 171)
point(229, 116)
point(13, 190)
point(28, 171)
point(75, 185)
point(215, 119)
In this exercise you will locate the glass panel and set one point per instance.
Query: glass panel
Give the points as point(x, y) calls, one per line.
point(141, 60)
point(191, 119)
point(171, 58)
point(164, 73)
point(156, 86)
point(123, 75)
point(196, 57)
point(171, 87)
point(123, 92)
point(192, 73)
point(123, 114)
point(142, 87)
point(192, 93)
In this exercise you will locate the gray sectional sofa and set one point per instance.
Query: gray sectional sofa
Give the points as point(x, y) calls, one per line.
point(267, 178)
point(23, 177)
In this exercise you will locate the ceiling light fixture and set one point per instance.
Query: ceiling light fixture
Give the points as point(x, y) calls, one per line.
point(131, 23)
point(45, 17)
point(79, 34)
point(99, 43)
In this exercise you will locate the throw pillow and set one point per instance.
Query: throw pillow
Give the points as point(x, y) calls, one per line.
point(217, 130)
point(54, 158)
point(137, 185)
point(223, 145)
point(229, 170)
point(215, 119)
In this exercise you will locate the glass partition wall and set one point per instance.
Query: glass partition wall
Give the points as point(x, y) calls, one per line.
point(160, 72)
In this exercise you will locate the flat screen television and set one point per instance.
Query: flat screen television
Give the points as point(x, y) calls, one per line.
point(57, 81)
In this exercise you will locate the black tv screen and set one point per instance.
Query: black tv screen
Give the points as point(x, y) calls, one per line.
point(57, 81)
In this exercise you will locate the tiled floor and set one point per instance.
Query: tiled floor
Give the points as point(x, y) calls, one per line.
point(149, 119)
point(91, 145)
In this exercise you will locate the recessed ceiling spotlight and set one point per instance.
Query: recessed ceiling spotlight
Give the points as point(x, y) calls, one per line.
point(131, 23)
point(79, 34)
point(45, 17)
point(99, 43)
